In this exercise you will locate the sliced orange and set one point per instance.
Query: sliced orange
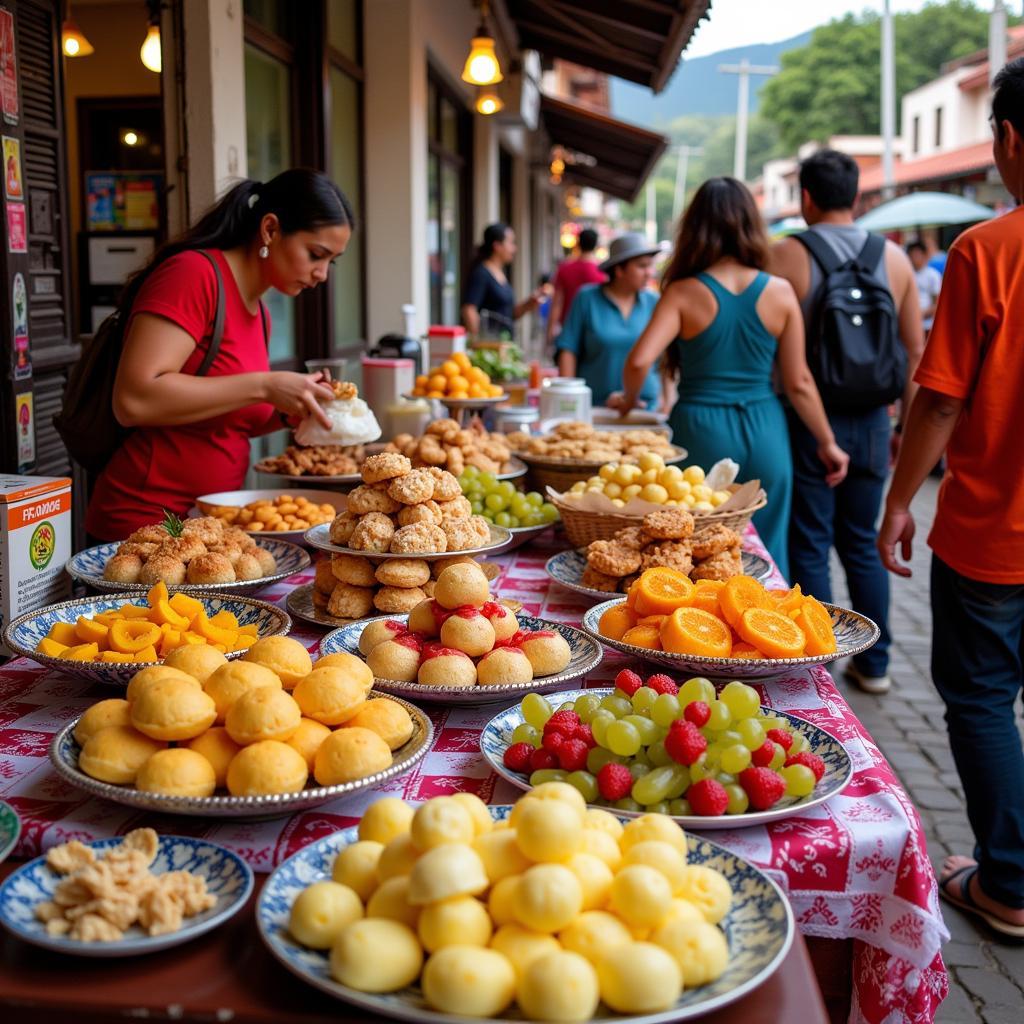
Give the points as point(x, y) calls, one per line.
point(695, 631)
point(775, 635)
point(652, 620)
point(742, 650)
point(661, 590)
point(615, 621)
point(739, 594)
point(631, 593)
point(816, 624)
point(643, 636)
point(705, 596)
point(787, 601)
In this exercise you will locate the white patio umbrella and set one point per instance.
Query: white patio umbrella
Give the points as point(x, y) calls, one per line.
point(924, 210)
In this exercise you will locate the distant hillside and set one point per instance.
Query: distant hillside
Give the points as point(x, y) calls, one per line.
point(698, 87)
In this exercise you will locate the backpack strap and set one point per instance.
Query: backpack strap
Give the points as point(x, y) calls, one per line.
point(217, 334)
point(871, 254)
point(824, 255)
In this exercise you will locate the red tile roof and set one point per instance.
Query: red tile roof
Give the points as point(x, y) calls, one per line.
point(954, 164)
point(978, 79)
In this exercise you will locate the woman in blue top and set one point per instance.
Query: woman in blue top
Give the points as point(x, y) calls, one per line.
point(722, 323)
point(605, 320)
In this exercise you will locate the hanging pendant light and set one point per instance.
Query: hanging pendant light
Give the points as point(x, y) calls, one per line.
point(150, 52)
point(488, 102)
point(482, 67)
point(72, 39)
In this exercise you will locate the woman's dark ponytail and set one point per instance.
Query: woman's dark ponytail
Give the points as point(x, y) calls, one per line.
point(301, 199)
point(494, 234)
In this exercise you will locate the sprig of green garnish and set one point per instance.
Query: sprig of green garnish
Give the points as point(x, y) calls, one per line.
point(172, 524)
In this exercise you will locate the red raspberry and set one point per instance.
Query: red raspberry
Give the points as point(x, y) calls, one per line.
point(697, 712)
point(661, 683)
point(563, 728)
point(780, 736)
point(517, 757)
point(553, 741)
point(583, 732)
point(628, 682)
point(708, 798)
point(763, 787)
point(542, 758)
point(614, 781)
point(685, 742)
point(809, 760)
point(572, 756)
point(762, 757)
point(566, 716)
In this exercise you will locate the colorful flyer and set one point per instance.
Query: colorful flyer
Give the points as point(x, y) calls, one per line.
point(26, 429)
point(17, 228)
point(19, 304)
point(12, 168)
point(8, 68)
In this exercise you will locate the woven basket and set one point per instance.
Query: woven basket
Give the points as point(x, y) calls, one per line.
point(561, 474)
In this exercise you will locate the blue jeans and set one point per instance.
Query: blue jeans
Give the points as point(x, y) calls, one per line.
point(977, 631)
point(844, 517)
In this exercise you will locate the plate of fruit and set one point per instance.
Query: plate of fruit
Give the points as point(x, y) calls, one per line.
point(649, 746)
point(498, 916)
point(693, 628)
point(524, 514)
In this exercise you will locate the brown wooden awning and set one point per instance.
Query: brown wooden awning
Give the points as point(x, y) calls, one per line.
point(639, 40)
point(624, 154)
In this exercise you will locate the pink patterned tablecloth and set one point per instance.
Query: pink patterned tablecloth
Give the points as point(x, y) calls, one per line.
point(855, 868)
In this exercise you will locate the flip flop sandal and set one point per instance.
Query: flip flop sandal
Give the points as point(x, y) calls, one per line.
point(966, 903)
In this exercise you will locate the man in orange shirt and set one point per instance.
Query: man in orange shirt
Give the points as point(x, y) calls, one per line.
point(970, 405)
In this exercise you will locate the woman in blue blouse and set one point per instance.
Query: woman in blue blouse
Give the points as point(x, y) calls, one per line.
point(605, 321)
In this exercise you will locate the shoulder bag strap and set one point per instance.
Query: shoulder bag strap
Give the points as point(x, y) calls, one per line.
point(217, 334)
point(870, 255)
point(263, 320)
point(823, 253)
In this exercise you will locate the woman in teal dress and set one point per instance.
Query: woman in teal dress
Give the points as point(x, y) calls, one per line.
point(723, 325)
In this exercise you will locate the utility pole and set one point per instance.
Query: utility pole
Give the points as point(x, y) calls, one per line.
point(888, 102)
point(651, 219)
point(996, 40)
point(682, 166)
point(744, 69)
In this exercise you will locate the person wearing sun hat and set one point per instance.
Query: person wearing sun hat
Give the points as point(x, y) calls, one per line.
point(605, 321)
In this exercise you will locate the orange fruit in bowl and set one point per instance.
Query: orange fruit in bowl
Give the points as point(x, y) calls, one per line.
point(631, 592)
point(705, 595)
point(615, 621)
point(643, 636)
point(660, 591)
point(787, 601)
point(450, 368)
point(742, 650)
point(697, 632)
point(739, 594)
point(775, 635)
point(815, 623)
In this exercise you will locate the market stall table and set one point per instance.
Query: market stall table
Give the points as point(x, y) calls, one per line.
point(855, 869)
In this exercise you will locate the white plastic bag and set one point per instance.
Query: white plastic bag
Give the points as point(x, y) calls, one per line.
point(352, 422)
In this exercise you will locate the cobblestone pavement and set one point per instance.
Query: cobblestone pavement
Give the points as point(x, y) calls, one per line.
point(986, 976)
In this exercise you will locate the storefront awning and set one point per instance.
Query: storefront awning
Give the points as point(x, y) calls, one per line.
point(639, 40)
point(623, 154)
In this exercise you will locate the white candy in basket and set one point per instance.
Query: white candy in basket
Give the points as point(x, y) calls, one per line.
point(722, 474)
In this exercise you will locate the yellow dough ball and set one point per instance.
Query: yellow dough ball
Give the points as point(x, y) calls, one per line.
point(653, 826)
point(699, 948)
point(197, 660)
point(604, 822)
point(559, 986)
point(354, 667)
point(640, 894)
point(166, 710)
point(350, 754)
point(376, 955)
point(218, 748)
point(230, 681)
point(463, 921)
point(269, 766)
point(468, 981)
point(548, 830)
point(461, 585)
point(320, 911)
point(560, 791)
point(522, 946)
point(501, 901)
point(307, 739)
point(115, 754)
point(548, 897)
point(707, 890)
point(113, 711)
point(285, 657)
point(387, 718)
point(662, 857)
point(356, 867)
point(640, 978)
point(482, 820)
point(177, 772)
point(594, 876)
point(684, 910)
point(384, 819)
point(153, 674)
point(331, 695)
point(265, 713)
point(594, 934)
point(601, 844)
point(391, 899)
point(452, 869)
point(501, 855)
point(441, 820)
point(397, 858)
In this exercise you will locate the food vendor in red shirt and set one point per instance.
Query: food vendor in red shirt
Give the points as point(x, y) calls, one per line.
point(189, 434)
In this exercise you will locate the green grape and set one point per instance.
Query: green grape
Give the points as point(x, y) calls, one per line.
point(638, 770)
point(519, 507)
point(727, 737)
point(697, 688)
point(627, 804)
point(742, 700)
point(470, 473)
point(585, 783)
point(507, 488)
point(535, 498)
point(735, 758)
point(661, 807)
point(644, 698)
point(800, 744)
point(547, 775)
point(586, 705)
point(778, 758)
point(488, 481)
point(598, 757)
point(623, 738)
point(703, 768)
point(658, 754)
point(752, 732)
point(774, 722)
point(496, 502)
point(533, 519)
point(665, 709)
point(720, 718)
point(618, 706)
point(536, 710)
point(478, 508)
point(680, 781)
point(504, 519)
point(526, 733)
point(726, 779)
point(679, 808)
point(654, 786)
point(599, 726)
point(642, 757)
point(738, 800)
point(549, 512)
point(644, 726)
point(799, 780)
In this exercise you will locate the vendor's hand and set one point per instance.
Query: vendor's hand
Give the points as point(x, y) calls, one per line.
point(299, 394)
point(836, 461)
point(618, 400)
point(897, 528)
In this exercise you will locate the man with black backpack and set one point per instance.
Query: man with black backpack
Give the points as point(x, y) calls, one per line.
point(864, 340)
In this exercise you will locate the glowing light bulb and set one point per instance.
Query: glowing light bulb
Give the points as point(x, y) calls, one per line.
point(149, 53)
point(482, 67)
point(130, 138)
point(71, 47)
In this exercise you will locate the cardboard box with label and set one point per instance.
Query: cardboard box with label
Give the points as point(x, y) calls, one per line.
point(35, 542)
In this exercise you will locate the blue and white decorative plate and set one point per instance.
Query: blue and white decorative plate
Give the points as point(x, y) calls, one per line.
point(207, 503)
point(88, 565)
point(227, 877)
point(64, 751)
point(320, 537)
point(567, 568)
point(854, 633)
point(497, 736)
point(23, 634)
point(10, 829)
point(515, 469)
point(585, 657)
point(759, 929)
